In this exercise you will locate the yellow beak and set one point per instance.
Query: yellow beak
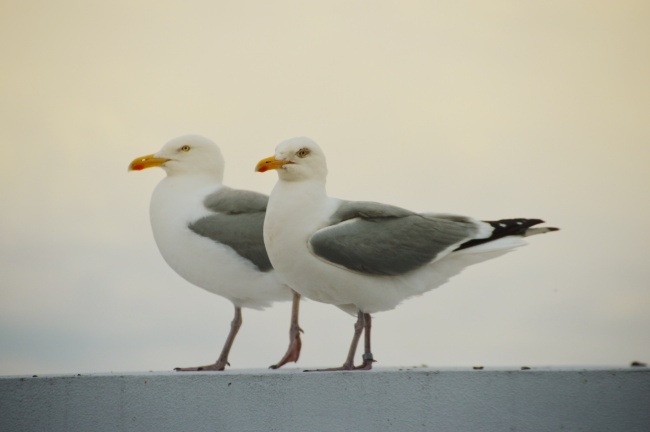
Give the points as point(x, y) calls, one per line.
point(270, 163)
point(148, 161)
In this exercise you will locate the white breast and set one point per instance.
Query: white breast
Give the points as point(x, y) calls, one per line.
point(295, 211)
point(176, 202)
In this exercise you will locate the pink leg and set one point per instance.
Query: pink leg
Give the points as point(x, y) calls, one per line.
point(222, 361)
point(367, 354)
point(363, 322)
point(295, 344)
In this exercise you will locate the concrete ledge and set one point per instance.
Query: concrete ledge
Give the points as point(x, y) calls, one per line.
point(290, 400)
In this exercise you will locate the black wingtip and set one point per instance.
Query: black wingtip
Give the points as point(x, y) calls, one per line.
point(510, 227)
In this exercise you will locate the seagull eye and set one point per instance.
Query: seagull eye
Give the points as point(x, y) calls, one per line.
point(185, 148)
point(302, 152)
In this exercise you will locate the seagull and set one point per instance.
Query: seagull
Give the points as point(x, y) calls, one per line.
point(211, 235)
point(367, 257)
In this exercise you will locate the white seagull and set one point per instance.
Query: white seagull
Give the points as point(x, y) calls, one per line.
point(367, 257)
point(211, 235)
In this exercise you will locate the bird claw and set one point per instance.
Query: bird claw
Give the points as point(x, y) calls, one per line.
point(368, 360)
point(215, 367)
point(293, 352)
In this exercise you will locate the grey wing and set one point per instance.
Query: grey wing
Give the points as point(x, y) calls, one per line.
point(238, 222)
point(378, 239)
point(235, 201)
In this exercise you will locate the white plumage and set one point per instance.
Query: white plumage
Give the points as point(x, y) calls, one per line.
point(367, 257)
point(176, 202)
point(193, 217)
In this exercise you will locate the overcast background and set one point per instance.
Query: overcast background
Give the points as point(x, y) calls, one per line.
point(489, 109)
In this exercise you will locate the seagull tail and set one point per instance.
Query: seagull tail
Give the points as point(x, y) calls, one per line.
point(517, 228)
point(539, 230)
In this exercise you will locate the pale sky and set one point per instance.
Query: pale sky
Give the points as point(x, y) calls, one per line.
point(488, 109)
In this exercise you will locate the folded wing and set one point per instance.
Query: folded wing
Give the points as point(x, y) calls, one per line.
point(236, 221)
point(379, 239)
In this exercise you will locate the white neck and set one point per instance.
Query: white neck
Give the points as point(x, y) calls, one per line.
point(295, 210)
point(181, 192)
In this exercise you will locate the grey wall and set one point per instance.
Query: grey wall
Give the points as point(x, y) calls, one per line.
point(290, 400)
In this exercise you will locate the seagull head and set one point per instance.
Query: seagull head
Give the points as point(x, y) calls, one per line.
point(296, 159)
point(188, 154)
